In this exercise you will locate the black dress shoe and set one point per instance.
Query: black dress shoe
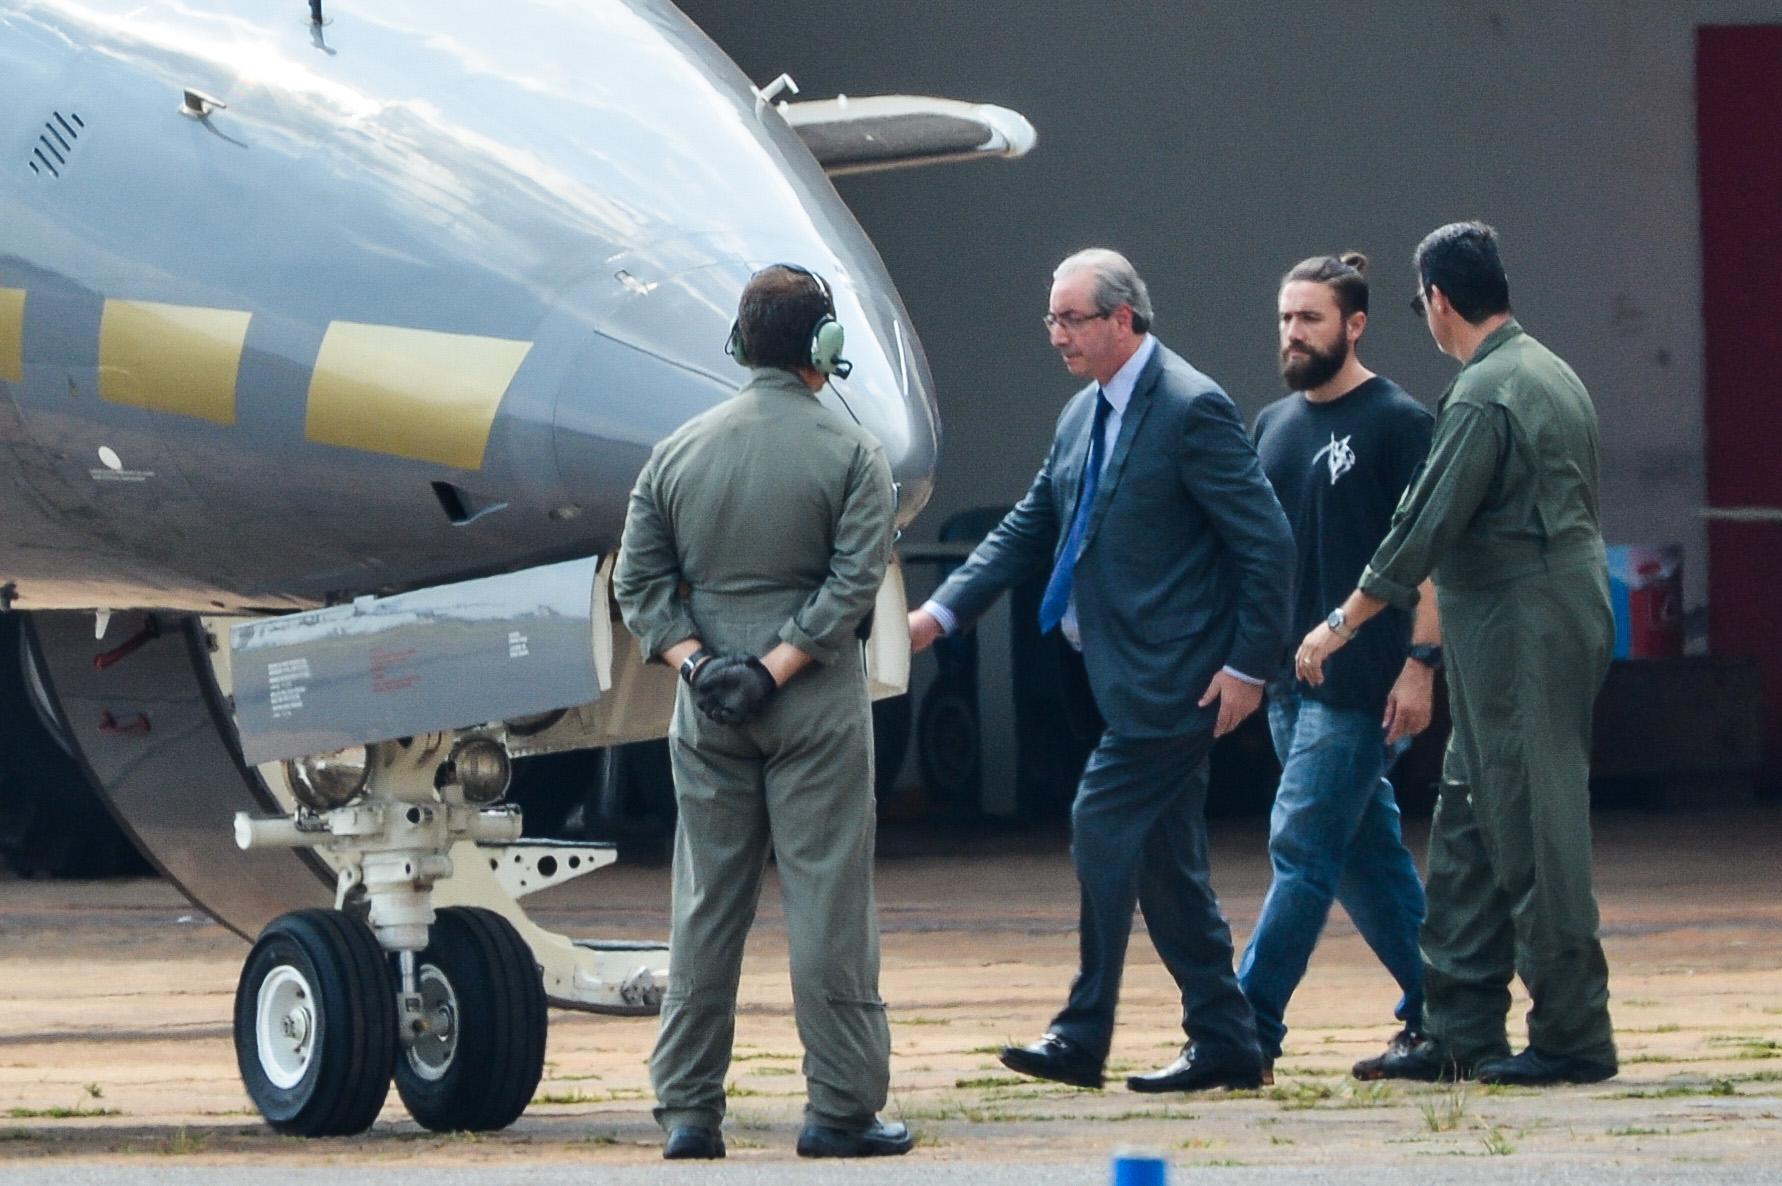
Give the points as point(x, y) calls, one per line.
point(1198, 1068)
point(1410, 1055)
point(1057, 1058)
point(1531, 1068)
point(883, 1139)
point(693, 1142)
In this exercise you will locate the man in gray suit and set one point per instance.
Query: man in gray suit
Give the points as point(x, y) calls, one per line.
point(1170, 563)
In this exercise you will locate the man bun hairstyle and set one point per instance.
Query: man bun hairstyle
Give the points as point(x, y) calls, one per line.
point(1462, 260)
point(780, 308)
point(1117, 283)
point(1345, 275)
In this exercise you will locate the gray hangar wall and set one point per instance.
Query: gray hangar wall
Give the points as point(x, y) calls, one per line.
point(1216, 144)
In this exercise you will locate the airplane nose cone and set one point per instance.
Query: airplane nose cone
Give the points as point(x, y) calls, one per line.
point(890, 390)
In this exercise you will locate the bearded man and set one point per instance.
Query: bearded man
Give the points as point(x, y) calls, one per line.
point(1339, 452)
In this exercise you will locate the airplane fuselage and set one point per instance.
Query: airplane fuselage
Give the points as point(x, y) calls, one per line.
point(289, 314)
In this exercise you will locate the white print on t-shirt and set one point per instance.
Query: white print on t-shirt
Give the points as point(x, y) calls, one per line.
point(1338, 455)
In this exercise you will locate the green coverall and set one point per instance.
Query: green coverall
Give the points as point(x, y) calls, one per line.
point(768, 519)
point(1504, 518)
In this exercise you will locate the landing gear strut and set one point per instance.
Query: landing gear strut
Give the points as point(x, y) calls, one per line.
point(332, 1003)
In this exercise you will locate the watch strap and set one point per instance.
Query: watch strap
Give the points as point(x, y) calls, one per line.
point(691, 663)
point(1429, 654)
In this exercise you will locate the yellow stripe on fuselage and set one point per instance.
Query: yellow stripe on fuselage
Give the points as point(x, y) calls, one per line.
point(171, 358)
point(410, 392)
point(12, 335)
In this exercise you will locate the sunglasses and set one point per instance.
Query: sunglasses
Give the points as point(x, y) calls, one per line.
point(1419, 306)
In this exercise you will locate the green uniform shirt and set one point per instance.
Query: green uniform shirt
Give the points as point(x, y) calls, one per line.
point(1510, 487)
point(766, 519)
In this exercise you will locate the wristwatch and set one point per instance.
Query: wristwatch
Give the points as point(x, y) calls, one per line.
point(691, 663)
point(1338, 623)
point(1428, 653)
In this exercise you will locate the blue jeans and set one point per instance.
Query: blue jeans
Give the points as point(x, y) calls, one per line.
point(1334, 836)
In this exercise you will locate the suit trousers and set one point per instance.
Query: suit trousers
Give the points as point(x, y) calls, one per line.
point(1138, 835)
point(796, 781)
point(1509, 847)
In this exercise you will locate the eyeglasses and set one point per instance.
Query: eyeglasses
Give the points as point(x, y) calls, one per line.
point(1419, 306)
point(1072, 321)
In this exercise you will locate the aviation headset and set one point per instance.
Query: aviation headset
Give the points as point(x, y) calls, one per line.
point(827, 338)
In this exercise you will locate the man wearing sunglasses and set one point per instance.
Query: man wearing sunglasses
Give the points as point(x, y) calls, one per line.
point(1505, 518)
point(1170, 561)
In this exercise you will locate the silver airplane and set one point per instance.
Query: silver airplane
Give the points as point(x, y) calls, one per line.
point(332, 336)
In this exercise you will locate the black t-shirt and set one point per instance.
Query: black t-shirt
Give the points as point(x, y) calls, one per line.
point(1339, 469)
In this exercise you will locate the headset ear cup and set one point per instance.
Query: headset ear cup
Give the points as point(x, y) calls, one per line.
point(827, 343)
point(735, 347)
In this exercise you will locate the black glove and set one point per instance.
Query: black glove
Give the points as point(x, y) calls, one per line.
point(731, 689)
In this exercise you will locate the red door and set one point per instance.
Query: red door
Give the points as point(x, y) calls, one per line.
point(1739, 126)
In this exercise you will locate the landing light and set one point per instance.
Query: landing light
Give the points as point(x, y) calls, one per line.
point(326, 781)
point(480, 766)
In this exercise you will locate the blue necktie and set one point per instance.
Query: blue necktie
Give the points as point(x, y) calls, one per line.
point(1058, 589)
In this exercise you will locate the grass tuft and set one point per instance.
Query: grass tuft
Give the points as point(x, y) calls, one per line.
point(1444, 1109)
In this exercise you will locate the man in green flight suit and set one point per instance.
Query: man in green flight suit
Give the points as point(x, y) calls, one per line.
point(755, 545)
point(1504, 517)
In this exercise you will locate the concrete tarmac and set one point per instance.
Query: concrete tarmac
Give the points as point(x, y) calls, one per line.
point(882, 1174)
point(116, 1063)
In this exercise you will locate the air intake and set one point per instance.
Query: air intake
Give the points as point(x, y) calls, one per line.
point(55, 144)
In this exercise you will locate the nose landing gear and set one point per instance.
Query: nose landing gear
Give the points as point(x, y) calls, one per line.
point(334, 1003)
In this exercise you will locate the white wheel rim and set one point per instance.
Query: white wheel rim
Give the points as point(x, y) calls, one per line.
point(430, 1055)
point(285, 1025)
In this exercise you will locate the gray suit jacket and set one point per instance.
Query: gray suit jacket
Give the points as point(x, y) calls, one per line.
point(1188, 562)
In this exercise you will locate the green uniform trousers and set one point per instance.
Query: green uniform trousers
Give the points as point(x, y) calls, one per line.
point(796, 781)
point(1509, 882)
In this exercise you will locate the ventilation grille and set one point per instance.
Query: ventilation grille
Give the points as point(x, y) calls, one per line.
point(49, 156)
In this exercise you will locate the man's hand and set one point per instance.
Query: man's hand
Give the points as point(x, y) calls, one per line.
point(1411, 702)
point(732, 689)
point(1319, 645)
point(924, 629)
point(1237, 700)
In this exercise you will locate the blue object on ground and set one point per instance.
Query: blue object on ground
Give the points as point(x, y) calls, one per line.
point(1139, 1169)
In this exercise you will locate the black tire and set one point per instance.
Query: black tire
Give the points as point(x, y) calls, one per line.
point(947, 747)
point(328, 966)
point(482, 1077)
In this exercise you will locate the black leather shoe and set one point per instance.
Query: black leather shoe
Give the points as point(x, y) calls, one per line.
point(1197, 1069)
point(1057, 1058)
point(1531, 1068)
point(883, 1139)
point(1410, 1055)
point(693, 1142)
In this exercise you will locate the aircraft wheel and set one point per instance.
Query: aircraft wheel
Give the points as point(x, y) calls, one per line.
point(478, 1061)
point(315, 1024)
